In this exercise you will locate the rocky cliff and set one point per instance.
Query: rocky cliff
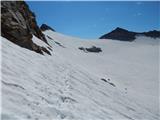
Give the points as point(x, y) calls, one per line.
point(18, 24)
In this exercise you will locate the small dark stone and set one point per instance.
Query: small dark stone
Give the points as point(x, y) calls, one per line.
point(103, 79)
point(108, 82)
point(59, 44)
point(112, 84)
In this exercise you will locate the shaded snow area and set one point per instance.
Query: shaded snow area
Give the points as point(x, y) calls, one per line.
point(119, 83)
point(39, 42)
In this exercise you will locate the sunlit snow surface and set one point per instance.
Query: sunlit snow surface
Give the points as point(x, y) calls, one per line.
point(68, 85)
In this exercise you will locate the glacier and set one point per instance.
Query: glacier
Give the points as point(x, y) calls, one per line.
point(70, 84)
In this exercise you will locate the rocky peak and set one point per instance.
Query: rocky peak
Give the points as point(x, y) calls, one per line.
point(119, 34)
point(18, 24)
point(125, 35)
point(120, 29)
point(46, 27)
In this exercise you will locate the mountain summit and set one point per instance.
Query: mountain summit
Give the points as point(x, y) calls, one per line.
point(125, 35)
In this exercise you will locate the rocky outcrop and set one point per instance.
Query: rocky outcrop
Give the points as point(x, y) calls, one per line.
point(125, 35)
point(91, 49)
point(46, 27)
point(18, 24)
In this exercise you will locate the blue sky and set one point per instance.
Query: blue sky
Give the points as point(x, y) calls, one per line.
point(92, 19)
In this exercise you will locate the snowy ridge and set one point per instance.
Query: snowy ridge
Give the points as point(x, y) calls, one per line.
point(74, 85)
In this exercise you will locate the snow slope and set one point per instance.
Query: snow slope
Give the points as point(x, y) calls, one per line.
point(68, 85)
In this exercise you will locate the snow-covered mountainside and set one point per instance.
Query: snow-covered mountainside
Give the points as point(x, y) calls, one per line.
point(118, 83)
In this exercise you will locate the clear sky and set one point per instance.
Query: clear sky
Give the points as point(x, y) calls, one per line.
point(93, 19)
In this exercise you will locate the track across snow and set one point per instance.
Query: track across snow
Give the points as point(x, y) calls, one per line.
point(69, 84)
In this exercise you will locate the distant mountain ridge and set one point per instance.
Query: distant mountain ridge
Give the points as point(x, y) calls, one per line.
point(125, 35)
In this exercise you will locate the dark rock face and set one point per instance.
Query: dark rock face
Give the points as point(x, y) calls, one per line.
point(46, 27)
point(18, 24)
point(125, 35)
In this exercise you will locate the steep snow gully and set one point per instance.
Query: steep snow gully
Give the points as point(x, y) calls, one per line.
point(119, 83)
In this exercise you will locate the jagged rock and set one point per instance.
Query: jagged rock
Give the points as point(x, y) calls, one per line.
point(125, 35)
point(46, 27)
point(18, 24)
